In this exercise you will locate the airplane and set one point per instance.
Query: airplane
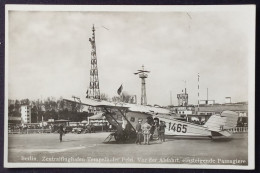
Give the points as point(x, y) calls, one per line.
point(125, 114)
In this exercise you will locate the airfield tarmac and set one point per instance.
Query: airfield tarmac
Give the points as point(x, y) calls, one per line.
point(89, 148)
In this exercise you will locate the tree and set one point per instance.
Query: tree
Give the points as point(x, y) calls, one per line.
point(103, 96)
point(125, 97)
point(11, 108)
point(17, 105)
point(61, 104)
point(116, 99)
point(25, 102)
point(34, 114)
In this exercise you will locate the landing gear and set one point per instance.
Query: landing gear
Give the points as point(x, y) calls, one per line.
point(122, 137)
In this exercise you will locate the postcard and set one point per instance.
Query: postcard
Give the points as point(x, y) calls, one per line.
point(130, 86)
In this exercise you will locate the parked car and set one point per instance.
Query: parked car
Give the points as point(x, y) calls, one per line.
point(68, 129)
point(90, 129)
point(77, 130)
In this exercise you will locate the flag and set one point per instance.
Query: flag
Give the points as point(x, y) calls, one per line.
point(120, 89)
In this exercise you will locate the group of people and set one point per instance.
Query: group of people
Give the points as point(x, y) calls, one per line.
point(146, 131)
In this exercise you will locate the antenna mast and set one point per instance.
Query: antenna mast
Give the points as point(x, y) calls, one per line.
point(143, 74)
point(94, 91)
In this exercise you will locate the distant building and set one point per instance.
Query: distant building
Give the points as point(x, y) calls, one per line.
point(227, 100)
point(25, 114)
point(207, 102)
point(240, 108)
point(183, 99)
point(202, 113)
point(184, 110)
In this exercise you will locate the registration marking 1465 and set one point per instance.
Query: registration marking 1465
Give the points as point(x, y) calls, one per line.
point(179, 127)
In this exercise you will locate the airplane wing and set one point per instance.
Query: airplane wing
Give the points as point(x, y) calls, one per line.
point(146, 109)
point(120, 105)
point(97, 103)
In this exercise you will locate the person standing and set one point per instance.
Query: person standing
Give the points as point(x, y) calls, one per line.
point(127, 131)
point(146, 132)
point(162, 127)
point(139, 132)
point(61, 131)
point(110, 127)
point(156, 131)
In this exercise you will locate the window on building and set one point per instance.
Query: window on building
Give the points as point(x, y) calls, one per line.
point(132, 119)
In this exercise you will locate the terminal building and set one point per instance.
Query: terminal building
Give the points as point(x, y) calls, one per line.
point(201, 113)
point(183, 99)
point(241, 108)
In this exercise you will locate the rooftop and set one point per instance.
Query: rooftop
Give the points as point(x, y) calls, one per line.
point(222, 107)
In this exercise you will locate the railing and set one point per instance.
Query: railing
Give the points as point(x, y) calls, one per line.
point(239, 130)
point(29, 131)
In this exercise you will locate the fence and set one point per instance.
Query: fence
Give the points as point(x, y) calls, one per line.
point(239, 130)
point(29, 131)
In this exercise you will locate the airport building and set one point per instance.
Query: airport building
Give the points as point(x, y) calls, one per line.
point(183, 99)
point(26, 114)
point(241, 108)
point(202, 112)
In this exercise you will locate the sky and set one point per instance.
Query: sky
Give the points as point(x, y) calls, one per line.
point(49, 54)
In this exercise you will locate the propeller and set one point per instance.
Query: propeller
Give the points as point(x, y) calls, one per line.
point(143, 71)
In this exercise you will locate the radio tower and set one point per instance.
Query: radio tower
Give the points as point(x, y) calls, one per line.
point(93, 91)
point(143, 75)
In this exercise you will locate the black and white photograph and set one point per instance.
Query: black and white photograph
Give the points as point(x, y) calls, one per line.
point(130, 86)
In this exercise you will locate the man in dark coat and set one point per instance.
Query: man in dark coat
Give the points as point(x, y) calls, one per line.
point(61, 131)
point(162, 127)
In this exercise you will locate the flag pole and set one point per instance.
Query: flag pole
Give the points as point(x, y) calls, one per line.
point(198, 92)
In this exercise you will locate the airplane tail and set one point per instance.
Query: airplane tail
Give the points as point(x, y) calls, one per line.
point(220, 123)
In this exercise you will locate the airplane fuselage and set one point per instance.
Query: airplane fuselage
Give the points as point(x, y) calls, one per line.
point(173, 126)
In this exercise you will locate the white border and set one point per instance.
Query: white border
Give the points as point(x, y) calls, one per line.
point(144, 8)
